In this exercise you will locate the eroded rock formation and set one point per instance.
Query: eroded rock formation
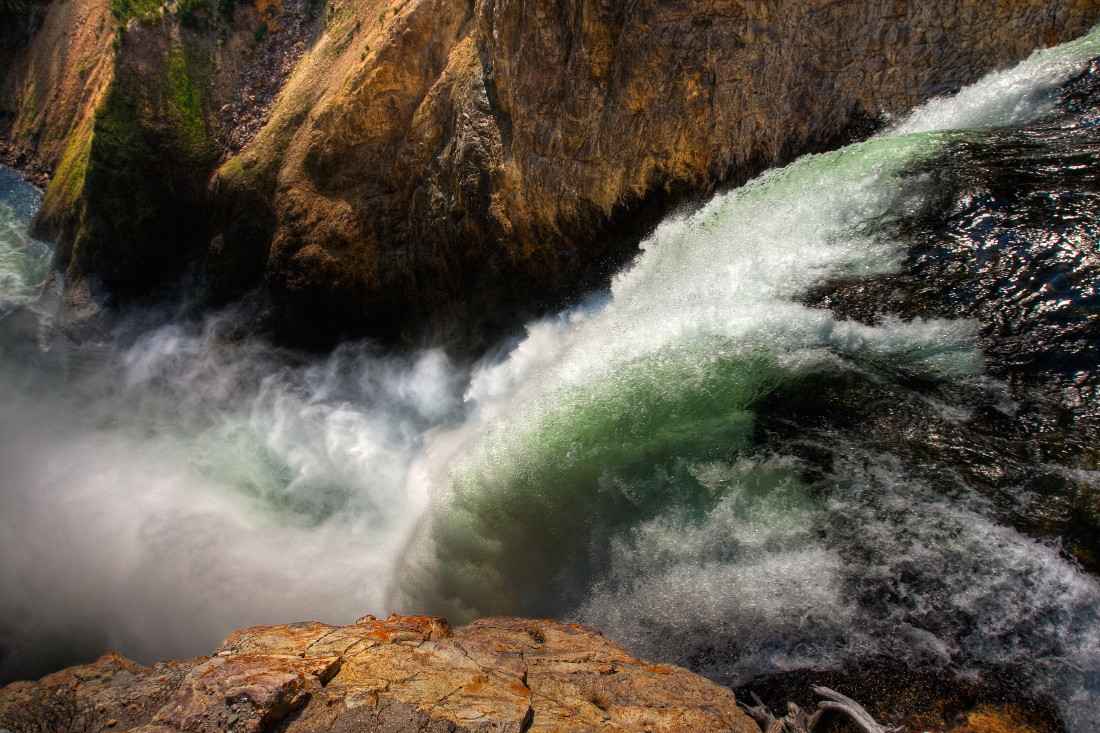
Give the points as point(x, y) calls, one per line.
point(449, 165)
point(408, 673)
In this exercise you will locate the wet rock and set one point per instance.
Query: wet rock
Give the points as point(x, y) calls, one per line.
point(33, 169)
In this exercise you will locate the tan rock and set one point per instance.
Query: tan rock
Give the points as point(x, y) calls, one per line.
point(432, 163)
point(407, 673)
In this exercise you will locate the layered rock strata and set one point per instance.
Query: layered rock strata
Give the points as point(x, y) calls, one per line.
point(448, 165)
point(407, 673)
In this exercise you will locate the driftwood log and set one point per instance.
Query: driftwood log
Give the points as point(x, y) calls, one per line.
point(797, 721)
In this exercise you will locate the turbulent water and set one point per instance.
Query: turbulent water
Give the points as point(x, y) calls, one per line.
point(845, 413)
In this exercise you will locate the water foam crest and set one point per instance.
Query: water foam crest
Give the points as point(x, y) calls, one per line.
point(1011, 97)
point(594, 412)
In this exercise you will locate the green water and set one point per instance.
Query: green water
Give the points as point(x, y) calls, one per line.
point(613, 428)
point(24, 261)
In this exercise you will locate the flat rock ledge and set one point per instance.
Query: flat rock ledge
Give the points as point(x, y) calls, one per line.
point(406, 673)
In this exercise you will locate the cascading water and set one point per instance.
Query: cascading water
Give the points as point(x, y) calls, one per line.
point(844, 413)
point(722, 473)
point(23, 261)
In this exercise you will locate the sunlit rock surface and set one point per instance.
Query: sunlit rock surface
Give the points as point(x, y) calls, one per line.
point(408, 673)
point(443, 165)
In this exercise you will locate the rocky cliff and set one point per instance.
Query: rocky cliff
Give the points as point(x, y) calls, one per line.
point(408, 673)
point(446, 165)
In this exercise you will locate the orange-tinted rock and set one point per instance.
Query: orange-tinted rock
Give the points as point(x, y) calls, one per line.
point(1000, 719)
point(245, 692)
point(407, 673)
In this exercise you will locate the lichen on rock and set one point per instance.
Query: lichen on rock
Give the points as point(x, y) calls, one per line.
point(402, 674)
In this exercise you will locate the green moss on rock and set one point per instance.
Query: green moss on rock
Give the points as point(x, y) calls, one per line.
point(183, 77)
point(68, 180)
point(64, 202)
point(125, 10)
point(143, 186)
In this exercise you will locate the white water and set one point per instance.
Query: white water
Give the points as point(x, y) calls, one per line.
point(176, 484)
point(23, 262)
point(764, 579)
point(182, 487)
point(706, 309)
point(1009, 97)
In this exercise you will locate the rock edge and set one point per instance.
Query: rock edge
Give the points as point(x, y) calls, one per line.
point(406, 673)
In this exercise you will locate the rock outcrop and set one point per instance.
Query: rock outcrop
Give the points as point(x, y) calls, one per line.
point(408, 673)
point(448, 165)
point(531, 146)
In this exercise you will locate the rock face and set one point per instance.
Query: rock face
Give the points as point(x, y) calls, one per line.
point(408, 673)
point(519, 158)
point(388, 168)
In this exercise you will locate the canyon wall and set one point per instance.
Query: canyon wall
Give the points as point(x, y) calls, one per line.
point(447, 168)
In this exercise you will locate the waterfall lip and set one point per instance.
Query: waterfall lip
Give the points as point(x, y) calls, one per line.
point(701, 460)
point(1014, 96)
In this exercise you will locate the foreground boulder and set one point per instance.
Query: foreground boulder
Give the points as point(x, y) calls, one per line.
point(407, 673)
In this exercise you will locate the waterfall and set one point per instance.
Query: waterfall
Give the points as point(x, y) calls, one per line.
point(840, 414)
